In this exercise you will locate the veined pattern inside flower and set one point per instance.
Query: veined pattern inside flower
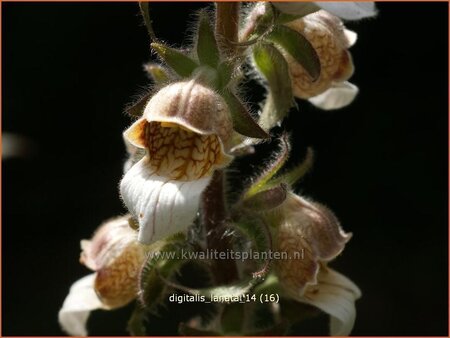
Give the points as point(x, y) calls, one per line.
point(180, 154)
point(293, 273)
point(328, 36)
point(116, 285)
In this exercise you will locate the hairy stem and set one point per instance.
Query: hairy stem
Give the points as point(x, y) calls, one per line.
point(227, 26)
point(214, 214)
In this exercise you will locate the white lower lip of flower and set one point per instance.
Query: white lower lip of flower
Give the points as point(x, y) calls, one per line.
point(162, 205)
point(338, 96)
point(77, 306)
point(335, 295)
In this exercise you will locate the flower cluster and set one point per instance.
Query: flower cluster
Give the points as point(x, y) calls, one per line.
point(187, 131)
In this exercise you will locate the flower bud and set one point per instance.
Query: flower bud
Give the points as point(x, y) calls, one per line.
point(330, 39)
point(309, 234)
point(116, 257)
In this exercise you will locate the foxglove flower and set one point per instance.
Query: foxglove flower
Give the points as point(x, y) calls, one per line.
point(330, 39)
point(313, 230)
point(186, 132)
point(116, 257)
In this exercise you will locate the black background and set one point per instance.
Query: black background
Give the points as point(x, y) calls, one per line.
point(381, 164)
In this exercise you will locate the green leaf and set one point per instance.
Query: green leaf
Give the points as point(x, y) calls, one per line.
point(267, 199)
point(157, 73)
point(297, 46)
point(136, 109)
point(295, 174)
point(243, 122)
point(302, 9)
point(207, 50)
point(182, 64)
point(273, 66)
point(225, 71)
point(279, 160)
point(158, 267)
point(257, 231)
point(145, 12)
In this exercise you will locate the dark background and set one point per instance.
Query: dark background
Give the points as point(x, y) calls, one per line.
point(381, 164)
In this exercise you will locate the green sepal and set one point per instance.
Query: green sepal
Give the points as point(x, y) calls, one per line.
point(182, 64)
point(263, 23)
point(207, 76)
point(155, 270)
point(243, 122)
point(298, 47)
point(267, 199)
point(272, 169)
point(307, 8)
point(257, 231)
point(136, 109)
point(274, 68)
point(295, 174)
point(271, 285)
point(225, 73)
point(157, 73)
point(207, 50)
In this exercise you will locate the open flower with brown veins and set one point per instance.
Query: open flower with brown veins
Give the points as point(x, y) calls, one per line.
point(331, 40)
point(186, 132)
point(116, 257)
point(313, 230)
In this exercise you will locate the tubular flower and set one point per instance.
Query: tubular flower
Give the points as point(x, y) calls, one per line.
point(330, 39)
point(186, 132)
point(116, 257)
point(311, 236)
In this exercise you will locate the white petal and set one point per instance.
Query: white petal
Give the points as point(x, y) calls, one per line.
point(162, 206)
point(351, 37)
point(338, 96)
point(349, 10)
point(334, 294)
point(77, 306)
